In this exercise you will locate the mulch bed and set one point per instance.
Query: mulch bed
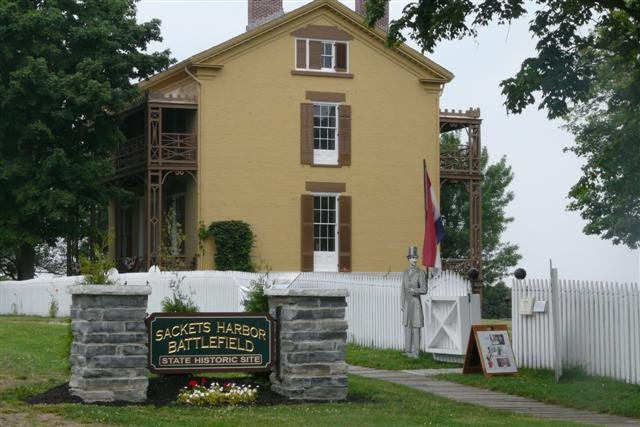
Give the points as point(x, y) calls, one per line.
point(163, 391)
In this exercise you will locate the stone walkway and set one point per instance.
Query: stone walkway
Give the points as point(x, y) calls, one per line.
point(420, 380)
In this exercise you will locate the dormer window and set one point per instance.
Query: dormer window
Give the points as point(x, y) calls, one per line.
point(322, 55)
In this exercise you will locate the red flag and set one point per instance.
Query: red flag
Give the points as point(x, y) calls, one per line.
point(433, 227)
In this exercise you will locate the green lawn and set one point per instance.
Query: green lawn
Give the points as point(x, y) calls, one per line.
point(34, 358)
point(391, 359)
point(575, 389)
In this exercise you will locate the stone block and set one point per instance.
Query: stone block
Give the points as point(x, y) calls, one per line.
point(313, 336)
point(132, 349)
point(123, 314)
point(104, 372)
point(316, 325)
point(317, 369)
point(85, 327)
point(135, 327)
point(91, 350)
point(117, 362)
point(296, 346)
point(114, 338)
point(306, 382)
point(314, 357)
point(294, 313)
point(93, 396)
point(109, 301)
point(332, 303)
point(90, 314)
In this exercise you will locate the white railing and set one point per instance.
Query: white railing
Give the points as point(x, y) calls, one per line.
point(599, 325)
point(373, 306)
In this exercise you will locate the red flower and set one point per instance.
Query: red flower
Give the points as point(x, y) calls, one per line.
point(203, 381)
point(192, 383)
point(227, 385)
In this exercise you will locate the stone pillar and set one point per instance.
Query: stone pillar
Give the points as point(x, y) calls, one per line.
point(311, 343)
point(109, 351)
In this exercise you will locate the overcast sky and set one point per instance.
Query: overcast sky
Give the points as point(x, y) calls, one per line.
point(543, 228)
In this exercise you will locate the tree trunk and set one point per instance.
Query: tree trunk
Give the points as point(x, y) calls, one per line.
point(25, 260)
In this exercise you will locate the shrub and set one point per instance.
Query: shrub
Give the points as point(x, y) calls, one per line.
point(233, 240)
point(256, 301)
point(54, 305)
point(178, 302)
point(96, 272)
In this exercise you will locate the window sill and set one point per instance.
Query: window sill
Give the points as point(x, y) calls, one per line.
point(320, 165)
point(321, 74)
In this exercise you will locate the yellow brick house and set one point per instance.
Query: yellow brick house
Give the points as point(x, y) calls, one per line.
point(306, 126)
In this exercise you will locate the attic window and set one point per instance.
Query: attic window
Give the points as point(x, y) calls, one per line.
point(322, 55)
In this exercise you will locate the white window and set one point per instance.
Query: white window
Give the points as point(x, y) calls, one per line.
point(325, 134)
point(325, 232)
point(327, 56)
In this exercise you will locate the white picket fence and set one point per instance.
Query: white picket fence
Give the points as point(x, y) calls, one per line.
point(373, 306)
point(599, 327)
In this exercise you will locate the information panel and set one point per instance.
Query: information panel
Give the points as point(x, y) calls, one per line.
point(199, 342)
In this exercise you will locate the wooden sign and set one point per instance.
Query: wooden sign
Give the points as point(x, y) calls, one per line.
point(489, 350)
point(199, 342)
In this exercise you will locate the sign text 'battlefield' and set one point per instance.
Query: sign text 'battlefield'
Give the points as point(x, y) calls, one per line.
point(198, 342)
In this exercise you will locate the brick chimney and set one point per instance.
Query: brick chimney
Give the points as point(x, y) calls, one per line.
point(383, 23)
point(261, 11)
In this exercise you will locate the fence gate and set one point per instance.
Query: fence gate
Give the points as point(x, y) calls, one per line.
point(448, 323)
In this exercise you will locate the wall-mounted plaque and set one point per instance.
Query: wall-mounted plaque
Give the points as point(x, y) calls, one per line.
point(540, 306)
point(526, 306)
point(200, 342)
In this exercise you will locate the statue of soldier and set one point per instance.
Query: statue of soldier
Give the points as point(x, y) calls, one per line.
point(414, 284)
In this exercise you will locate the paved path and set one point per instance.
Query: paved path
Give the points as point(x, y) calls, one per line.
point(420, 379)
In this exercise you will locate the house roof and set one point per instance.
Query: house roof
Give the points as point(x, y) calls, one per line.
point(406, 53)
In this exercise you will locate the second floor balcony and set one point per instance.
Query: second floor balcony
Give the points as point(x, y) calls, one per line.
point(159, 135)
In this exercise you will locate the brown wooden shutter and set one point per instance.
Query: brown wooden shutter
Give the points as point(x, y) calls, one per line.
point(306, 134)
point(341, 57)
point(344, 229)
point(306, 232)
point(315, 55)
point(301, 54)
point(344, 135)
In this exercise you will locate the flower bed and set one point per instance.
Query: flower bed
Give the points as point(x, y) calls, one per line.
point(228, 393)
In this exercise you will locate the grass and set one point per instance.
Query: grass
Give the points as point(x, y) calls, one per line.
point(391, 359)
point(34, 358)
point(575, 389)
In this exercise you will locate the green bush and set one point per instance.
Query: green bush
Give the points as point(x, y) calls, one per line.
point(256, 301)
point(233, 240)
point(96, 271)
point(178, 302)
point(496, 302)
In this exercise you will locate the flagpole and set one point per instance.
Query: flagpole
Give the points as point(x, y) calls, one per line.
point(424, 185)
point(424, 192)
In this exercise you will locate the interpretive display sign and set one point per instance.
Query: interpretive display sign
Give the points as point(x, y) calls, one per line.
point(200, 342)
point(489, 350)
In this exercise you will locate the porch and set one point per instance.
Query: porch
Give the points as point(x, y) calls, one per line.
point(155, 223)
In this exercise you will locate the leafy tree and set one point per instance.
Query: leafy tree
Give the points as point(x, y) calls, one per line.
point(496, 302)
point(586, 70)
point(67, 68)
point(498, 256)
